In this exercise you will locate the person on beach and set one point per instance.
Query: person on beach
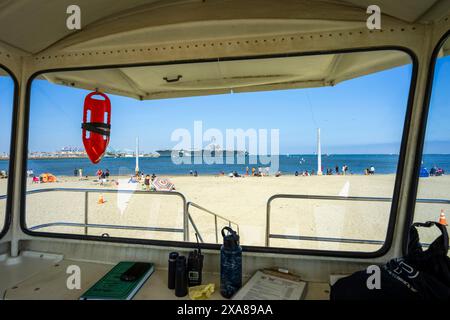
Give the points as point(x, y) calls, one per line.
point(433, 170)
point(99, 174)
point(337, 169)
point(296, 173)
point(102, 178)
point(247, 171)
point(195, 173)
point(344, 170)
point(191, 172)
point(107, 174)
point(153, 176)
point(253, 171)
point(147, 182)
point(372, 170)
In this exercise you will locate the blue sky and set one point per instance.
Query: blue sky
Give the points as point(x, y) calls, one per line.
point(437, 139)
point(358, 116)
point(6, 109)
point(363, 115)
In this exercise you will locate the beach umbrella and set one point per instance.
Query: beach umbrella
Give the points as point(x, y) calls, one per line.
point(163, 184)
point(423, 173)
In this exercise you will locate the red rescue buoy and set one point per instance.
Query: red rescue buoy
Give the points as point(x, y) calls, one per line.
point(96, 125)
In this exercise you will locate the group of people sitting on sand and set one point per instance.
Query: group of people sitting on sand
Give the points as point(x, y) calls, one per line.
point(258, 172)
point(103, 176)
point(435, 171)
point(328, 172)
point(343, 171)
point(193, 173)
point(304, 173)
point(369, 171)
point(141, 177)
point(145, 179)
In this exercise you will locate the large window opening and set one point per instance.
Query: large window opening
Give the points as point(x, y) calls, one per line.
point(433, 195)
point(6, 112)
point(296, 152)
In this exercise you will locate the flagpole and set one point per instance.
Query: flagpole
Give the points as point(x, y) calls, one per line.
point(137, 155)
point(319, 154)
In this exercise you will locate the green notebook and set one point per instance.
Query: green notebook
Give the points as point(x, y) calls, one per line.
point(111, 287)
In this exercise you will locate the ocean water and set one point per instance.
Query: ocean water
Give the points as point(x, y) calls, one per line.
point(288, 164)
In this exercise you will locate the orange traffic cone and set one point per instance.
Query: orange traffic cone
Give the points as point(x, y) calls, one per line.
point(442, 219)
point(101, 200)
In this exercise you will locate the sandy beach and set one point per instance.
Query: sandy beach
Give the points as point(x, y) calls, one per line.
point(241, 200)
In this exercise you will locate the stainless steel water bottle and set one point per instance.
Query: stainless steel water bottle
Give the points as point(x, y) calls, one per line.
point(181, 279)
point(172, 267)
point(230, 263)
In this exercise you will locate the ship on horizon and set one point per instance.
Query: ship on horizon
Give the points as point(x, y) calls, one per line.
point(212, 152)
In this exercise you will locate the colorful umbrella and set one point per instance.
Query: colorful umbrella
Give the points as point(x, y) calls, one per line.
point(163, 184)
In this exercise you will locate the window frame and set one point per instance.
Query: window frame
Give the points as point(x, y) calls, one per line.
point(12, 154)
point(254, 249)
point(421, 140)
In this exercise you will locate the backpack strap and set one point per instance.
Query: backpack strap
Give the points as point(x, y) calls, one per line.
point(438, 247)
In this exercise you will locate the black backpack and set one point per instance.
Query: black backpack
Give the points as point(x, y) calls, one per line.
point(421, 274)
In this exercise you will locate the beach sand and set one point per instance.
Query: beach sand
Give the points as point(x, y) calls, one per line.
point(241, 200)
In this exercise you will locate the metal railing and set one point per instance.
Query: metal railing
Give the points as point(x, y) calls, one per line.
point(86, 225)
point(187, 217)
point(216, 217)
point(269, 235)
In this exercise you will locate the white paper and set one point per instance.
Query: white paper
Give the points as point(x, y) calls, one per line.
point(268, 287)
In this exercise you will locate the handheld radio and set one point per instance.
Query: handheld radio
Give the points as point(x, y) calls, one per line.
point(195, 266)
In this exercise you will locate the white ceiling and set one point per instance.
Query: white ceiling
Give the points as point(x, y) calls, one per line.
point(223, 76)
point(35, 25)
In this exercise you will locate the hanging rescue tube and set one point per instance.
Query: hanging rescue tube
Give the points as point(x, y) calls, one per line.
point(96, 125)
